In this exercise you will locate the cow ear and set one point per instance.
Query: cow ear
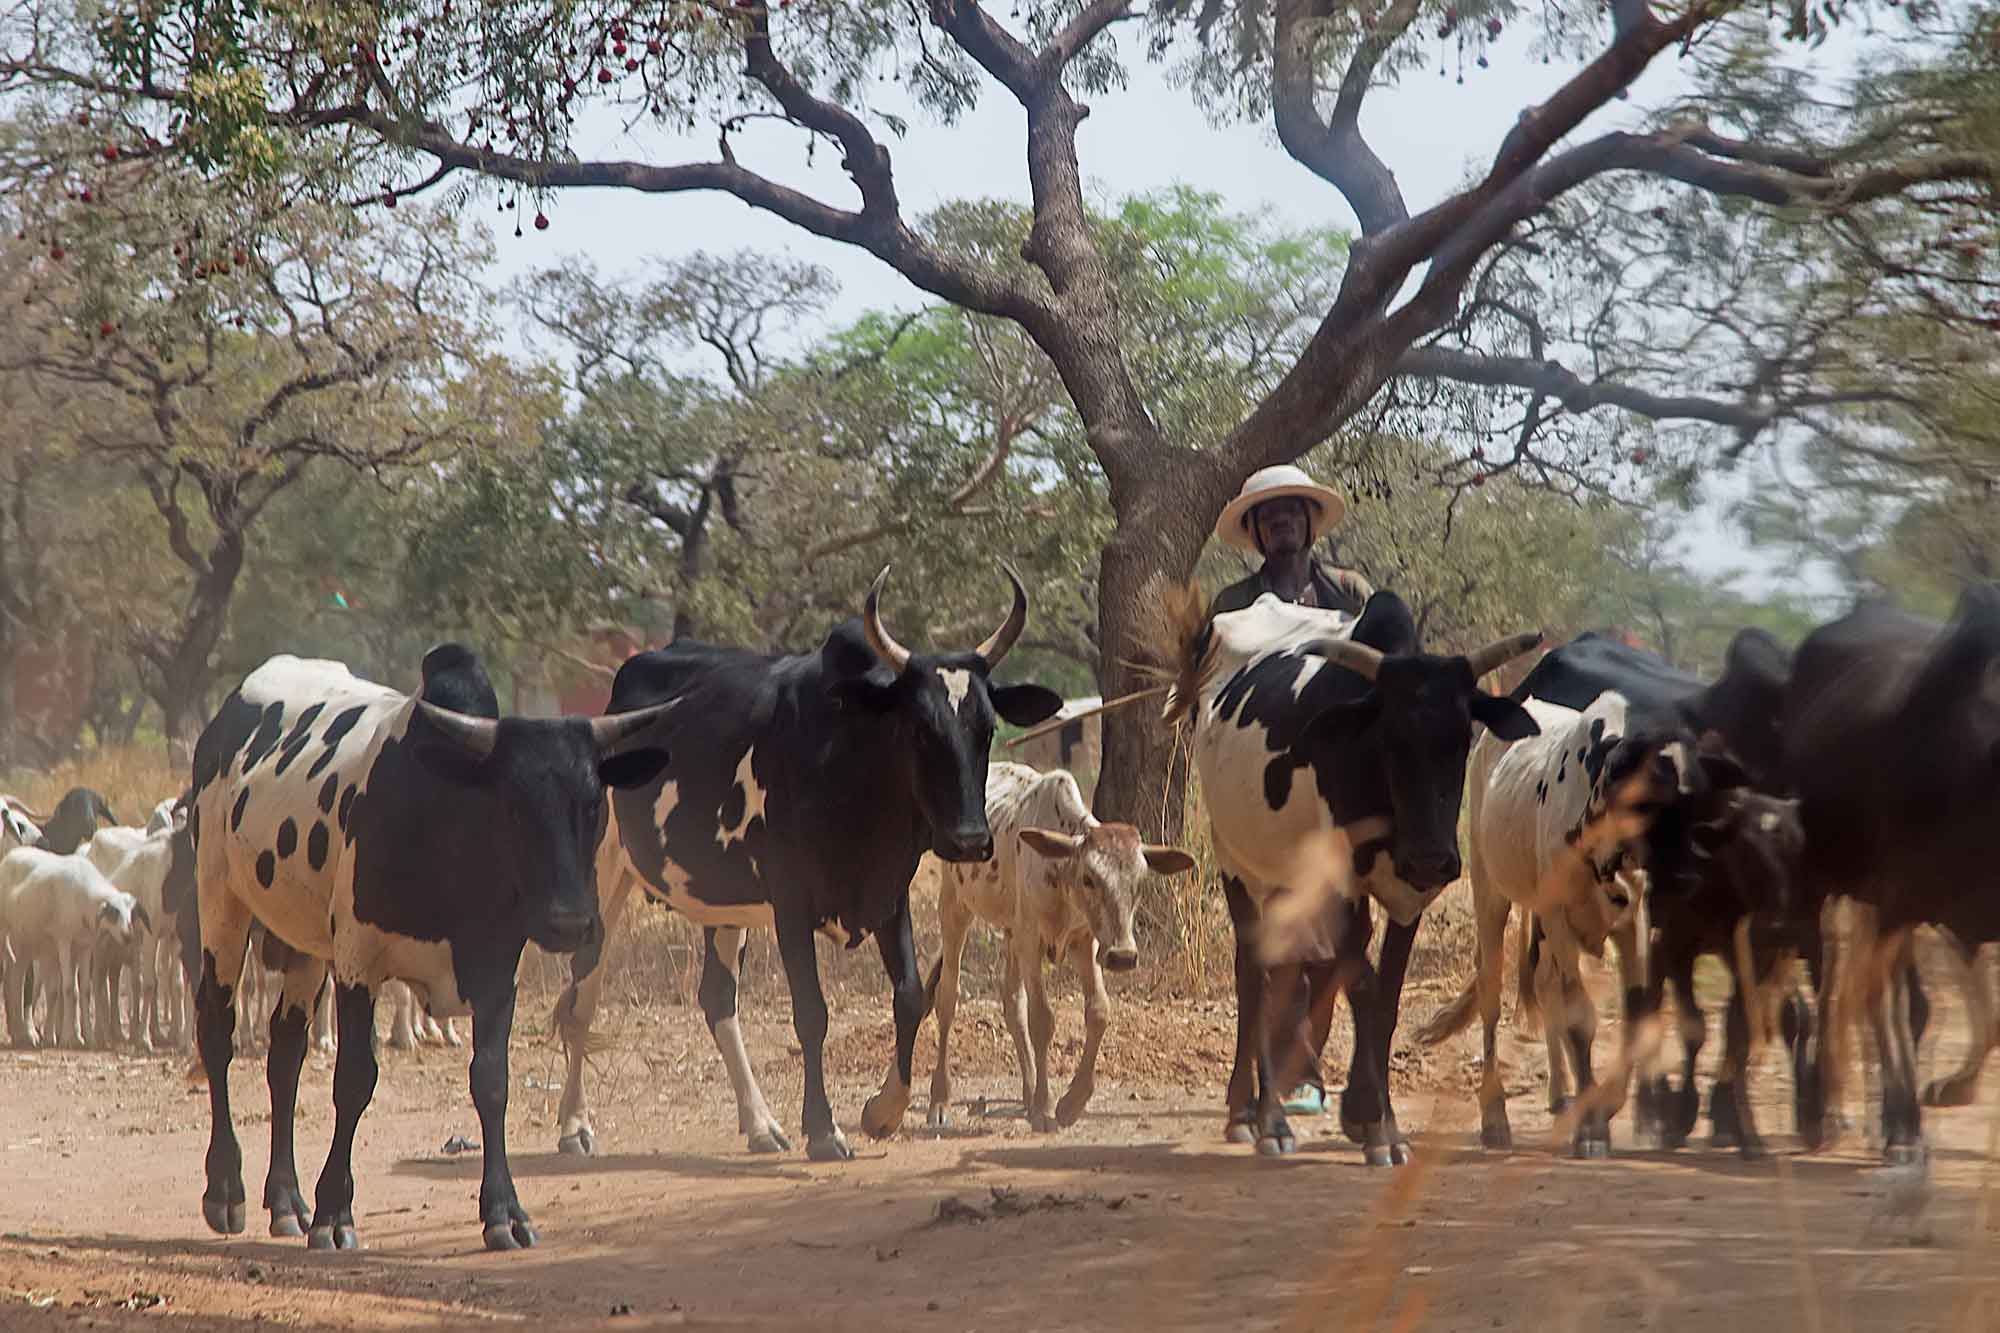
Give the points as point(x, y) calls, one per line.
point(1025, 705)
point(1055, 845)
point(1167, 860)
point(1347, 715)
point(634, 768)
point(1503, 717)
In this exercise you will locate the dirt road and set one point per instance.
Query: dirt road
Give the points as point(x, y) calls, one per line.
point(1138, 1217)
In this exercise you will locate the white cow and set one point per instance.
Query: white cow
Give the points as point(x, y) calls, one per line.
point(1556, 820)
point(53, 909)
point(1061, 885)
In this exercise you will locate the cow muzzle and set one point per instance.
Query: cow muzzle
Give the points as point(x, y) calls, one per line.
point(566, 931)
point(1428, 870)
point(1120, 958)
point(966, 844)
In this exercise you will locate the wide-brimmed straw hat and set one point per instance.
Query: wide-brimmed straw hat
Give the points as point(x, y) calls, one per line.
point(1275, 483)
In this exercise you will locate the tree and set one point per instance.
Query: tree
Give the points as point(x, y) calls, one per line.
point(496, 89)
point(227, 343)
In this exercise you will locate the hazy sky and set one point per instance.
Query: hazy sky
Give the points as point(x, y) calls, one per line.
point(1431, 131)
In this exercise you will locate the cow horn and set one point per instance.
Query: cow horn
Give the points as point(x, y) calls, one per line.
point(1501, 651)
point(21, 807)
point(1359, 658)
point(615, 729)
point(474, 735)
point(1010, 629)
point(879, 638)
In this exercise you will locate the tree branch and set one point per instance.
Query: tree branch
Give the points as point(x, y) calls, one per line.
point(1333, 148)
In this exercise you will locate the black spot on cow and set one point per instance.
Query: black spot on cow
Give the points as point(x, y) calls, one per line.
point(295, 743)
point(316, 843)
point(346, 806)
point(1599, 748)
point(1542, 792)
point(327, 793)
point(221, 741)
point(265, 738)
point(267, 868)
point(1562, 771)
point(336, 730)
point(236, 811)
point(288, 838)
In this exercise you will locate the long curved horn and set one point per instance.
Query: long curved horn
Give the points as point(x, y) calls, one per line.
point(474, 735)
point(879, 638)
point(1359, 658)
point(1501, 651)
point(612, 731)
point(1010, 629)
point(22, 807)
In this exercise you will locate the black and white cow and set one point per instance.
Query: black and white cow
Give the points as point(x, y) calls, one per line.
point(1892, 744)
point(1332, 756)
point(386, 836)
point(802, 793)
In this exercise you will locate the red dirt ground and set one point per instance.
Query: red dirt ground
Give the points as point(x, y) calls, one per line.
point(1138, 1217)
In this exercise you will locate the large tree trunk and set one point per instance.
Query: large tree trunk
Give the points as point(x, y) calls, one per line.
point(1162, 525)
point(183, 678)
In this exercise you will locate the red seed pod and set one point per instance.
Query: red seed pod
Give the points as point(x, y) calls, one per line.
point(541, 222)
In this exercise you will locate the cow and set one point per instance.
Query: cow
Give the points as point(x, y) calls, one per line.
point(1332, 757)
point(1891, 733)
point(803, 791)
point(386, 836)
point(1555, 825)
point(1061, 884)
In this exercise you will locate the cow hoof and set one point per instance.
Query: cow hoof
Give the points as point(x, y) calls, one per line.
point(225, 1219)
point(1239, 1132)
point(511, 1235)
point(1068, 1111)
point(288, 1222)
point(829, 1148)
point(1399, 1153)
point(1591, 1150)
point(1753, 1150)
point(341, 1237)
point(1499, 1136)
point(1949, 1092)
point(1277, 1145)
point(881, 1116)
point(770, 1139)
point(1903, 1154)
point(1378, 1154)
point(583, 1143)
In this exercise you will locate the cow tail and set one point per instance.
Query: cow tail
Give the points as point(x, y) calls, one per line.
point(1527, 1008)
point(1454, 1018)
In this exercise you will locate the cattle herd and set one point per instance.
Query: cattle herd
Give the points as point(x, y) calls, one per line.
point(338, 838)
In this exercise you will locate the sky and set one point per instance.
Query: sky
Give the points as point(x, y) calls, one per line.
point(1431, 131)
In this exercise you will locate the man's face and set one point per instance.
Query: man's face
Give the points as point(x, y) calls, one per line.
point(1284, 526)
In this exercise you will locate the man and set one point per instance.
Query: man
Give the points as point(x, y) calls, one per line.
point(1280, 515)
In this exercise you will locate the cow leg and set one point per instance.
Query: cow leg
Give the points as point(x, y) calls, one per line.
point(1683, 1105)
point(354, 1072)
point(1014, 1009)
point(1957, 1089)
point(723, 951)
point(1389, 971)
point(1364, 1106)
point(1249, 1013)
point(1041, 1027)
point(1277, 1058)
point(505, 1223)
point(225, 926)
point(824, 1141)
point(577, 1008)
point(953, 923)
point(1096, 1018)
point(402, 1023)
point(1902, 1113)
point(1729, 1110)
point(296, 1002)
point(1491, 912)
point(882, 1114)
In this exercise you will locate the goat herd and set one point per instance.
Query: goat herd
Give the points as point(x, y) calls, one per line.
point(338, 837)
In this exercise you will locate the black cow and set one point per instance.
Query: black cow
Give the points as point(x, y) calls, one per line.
point(1332, 756)
point(391, 838)
point(803, 791)
point(1892, 742)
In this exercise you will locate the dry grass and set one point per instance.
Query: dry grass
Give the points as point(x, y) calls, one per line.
point(132, 778)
